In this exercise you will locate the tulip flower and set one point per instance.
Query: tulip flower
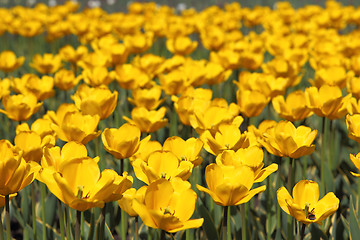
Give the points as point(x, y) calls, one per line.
point(95, 101)
point(147, 97)
point(288, 141)
point(227, 137)
point(58, 117)
point(168, 205)
point(29, 83)
point(149, 63)
point(181, 45)
point(139, 42)
point(353, 126)
point(356, 161)
point(188, 150)
point(77, 127)
point(79, 183)
point(96, 76)
point(20, 107)
point(161, 164)
point(147, 121)
point(123, 142)
point(145, 149)
point(294, 108)
point(327, 101)
point(68, 53)
point(305, 205)
point(15, 171)
point(65, 79)
point(129, 196)
point(129, 76)
point(333, 76)
point(48, 63)
point(9, 62)
point(230, 185)
point(4, 87)
point(251, 103)
point(2, 199)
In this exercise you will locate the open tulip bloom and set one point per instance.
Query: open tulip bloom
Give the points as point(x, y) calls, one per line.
point(305, 205)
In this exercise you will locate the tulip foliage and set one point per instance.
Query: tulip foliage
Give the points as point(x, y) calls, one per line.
point(158, 122)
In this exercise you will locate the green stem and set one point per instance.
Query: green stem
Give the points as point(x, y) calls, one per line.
point(228, 226)
point(7, 209)
point(92, 225)
point(302, 232)
point(123, 225)
point(68, 222)
point(243, 221)
point(162, 235)
point(43, 196)
point(77, 225)
point(278, 211)
point(323, 154)
point(224, 223)
point(102, 224)
point(1, 225)
point(291, 180)
point(62, 220)
point(33, 208)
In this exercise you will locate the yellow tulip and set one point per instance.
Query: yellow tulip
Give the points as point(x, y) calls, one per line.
point(139, 42)
point(65, 79)
point(227, 137)
point(129, 76)
point(20, 107)
point(2, 199)
point(327, 101)
point(123, 142)
point(168, 205)
point(147, 97)
point(188, 150)
point(15, 172)
point(356, 161)
point(148, 121)
point(95, 101)
point(9, 62)
point(41, 127)
point(96, 76)
point(145, 149)
point(191, 101)
point(149, 63)
point(77, 127)
point(48, 63)
point(353, 126)
point(353, 86)
point(230, 185)
point(353, 106)
point(58, 117)
point(285, 140)
point(4, 87)
point(174, 82)
point(72, 55)
point(161, 164)
point(79, 183)
point(29, 83)
point(305, 205)
point(293, 108)
point(181, 45)
point(126, 202)
point(251, 103)
point(333, 76)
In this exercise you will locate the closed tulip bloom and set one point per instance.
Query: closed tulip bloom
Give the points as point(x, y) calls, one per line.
point(227, 137)
point(15, 172)
point(95, 101)
point(353, 106)
point(188, 150)
point(79, 183)
point(294, 108)
point(333, 76)
point(174, 82)
point(58, 116)
point(96, 76)
point(168, 205)
point(353, 126)
point(353, 86)
point(78, 127)
point(230, 185)
point(9, 62)
point(128, 197)
point(305, 205)
point(327, 101)
point(161, 164)
point(41, 127)
point(215, 73)
point(181, 45)
point(30, 143)
point(4, 87)
point(48, 63)
point(123, 142)
point(149, 63)
point(145, 149)
point(148, 121)
point(147, 97)
point(139, 42)
point(288, 141)
point(65, 79)
point(20, 107)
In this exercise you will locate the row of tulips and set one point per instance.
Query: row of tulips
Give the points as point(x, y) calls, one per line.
point(143, 58)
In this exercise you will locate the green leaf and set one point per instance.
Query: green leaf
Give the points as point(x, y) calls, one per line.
point(353, 221)
point(208, 225)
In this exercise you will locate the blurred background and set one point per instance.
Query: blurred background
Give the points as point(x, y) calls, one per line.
point(121, 5)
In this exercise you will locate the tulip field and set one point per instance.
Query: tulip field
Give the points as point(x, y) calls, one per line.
point(163, 121)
